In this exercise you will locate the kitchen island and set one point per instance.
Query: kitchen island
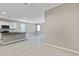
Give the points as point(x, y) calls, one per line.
point(12, 37)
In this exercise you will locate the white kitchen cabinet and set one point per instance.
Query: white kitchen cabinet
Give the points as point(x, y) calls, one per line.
point(20, 27)
point(0, 36)
point(13, 26)
point(23, 27)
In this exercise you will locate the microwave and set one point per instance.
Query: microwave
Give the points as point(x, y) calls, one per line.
point(5, 26)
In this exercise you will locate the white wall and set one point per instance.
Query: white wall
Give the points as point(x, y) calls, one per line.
point(62, 26)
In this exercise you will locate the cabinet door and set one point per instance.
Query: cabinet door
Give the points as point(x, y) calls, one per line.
point(23, 28)
point(0, 36)
point(13, 26)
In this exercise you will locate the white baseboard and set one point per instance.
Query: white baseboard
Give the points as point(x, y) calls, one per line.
point(65, 49)
point(12, 41)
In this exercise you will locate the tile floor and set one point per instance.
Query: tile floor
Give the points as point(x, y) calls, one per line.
point(34, 46)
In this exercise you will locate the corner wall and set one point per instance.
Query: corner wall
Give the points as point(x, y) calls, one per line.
point(62, 26)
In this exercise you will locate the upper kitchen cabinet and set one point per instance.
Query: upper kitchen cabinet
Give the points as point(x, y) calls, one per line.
point(12, 25)
point(20, 27)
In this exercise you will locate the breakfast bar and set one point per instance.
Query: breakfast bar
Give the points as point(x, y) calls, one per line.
point(12, 37)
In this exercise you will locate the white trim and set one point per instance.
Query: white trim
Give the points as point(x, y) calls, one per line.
point(62, 48)
point(19, 20)
point(54, 6)
point(12, 41)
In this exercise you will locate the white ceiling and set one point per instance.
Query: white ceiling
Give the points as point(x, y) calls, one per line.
point(31, 11)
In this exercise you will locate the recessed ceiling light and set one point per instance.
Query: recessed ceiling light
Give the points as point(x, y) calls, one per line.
point(24, 17)
point(3, 12)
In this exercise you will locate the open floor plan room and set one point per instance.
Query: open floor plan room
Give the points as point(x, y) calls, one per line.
point(39, 29)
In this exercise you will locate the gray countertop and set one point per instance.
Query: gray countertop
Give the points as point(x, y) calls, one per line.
point(13, 33)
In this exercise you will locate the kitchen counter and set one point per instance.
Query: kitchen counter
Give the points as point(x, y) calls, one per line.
point(11, 37)
point(11, 33)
